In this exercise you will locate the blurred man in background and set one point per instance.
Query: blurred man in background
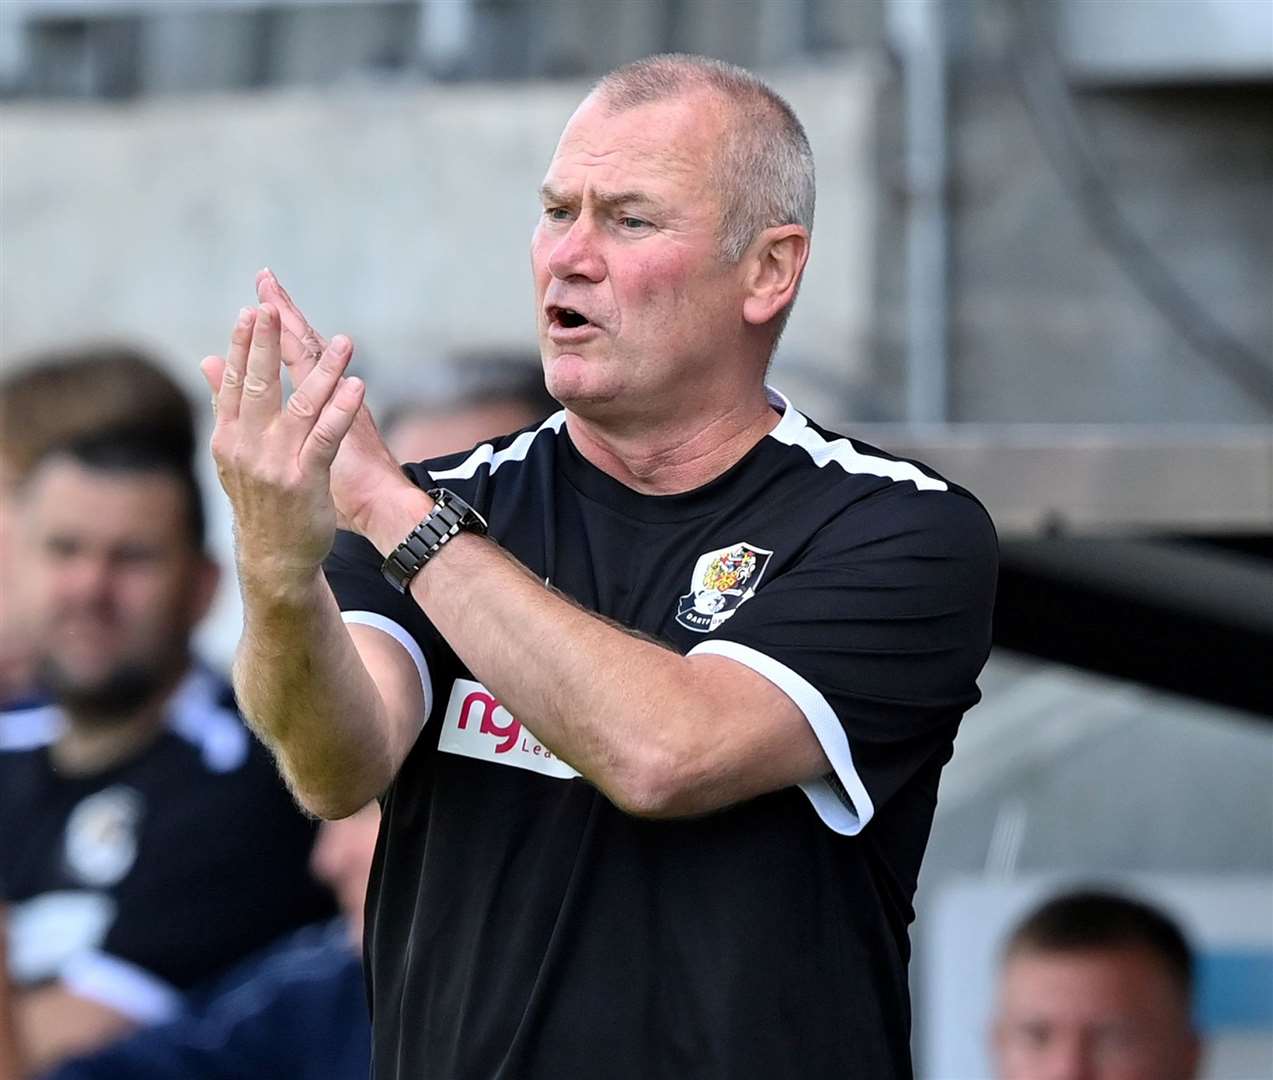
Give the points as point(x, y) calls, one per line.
point(146, 841)
point(47, 399)
point(1096, 986)
point(297, 1011)
point(492, 394)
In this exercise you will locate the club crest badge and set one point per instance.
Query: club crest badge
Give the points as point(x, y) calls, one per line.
point(102, 835)
point(721, 581)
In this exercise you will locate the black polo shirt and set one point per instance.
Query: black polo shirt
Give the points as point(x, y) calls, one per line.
point(133, 884)
point(521, 926)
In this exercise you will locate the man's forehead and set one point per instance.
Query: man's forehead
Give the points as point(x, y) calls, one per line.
point(674, 135)
point(1088, 979)
point(61, 487)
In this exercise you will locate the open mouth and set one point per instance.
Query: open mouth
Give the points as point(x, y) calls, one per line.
point(566, 317)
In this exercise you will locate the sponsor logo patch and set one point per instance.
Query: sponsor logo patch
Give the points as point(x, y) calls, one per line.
point(722, 580)
point(478, 726)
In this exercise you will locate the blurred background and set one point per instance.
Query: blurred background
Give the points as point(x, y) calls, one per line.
point(1043, 263)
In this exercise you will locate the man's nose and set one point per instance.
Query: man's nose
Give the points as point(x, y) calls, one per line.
point(578, 253)
point(87, 579)
point(1069, 1059)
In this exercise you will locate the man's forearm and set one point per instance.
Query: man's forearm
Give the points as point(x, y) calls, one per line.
point(638, 720)
point(307, 693)
point(562, 671)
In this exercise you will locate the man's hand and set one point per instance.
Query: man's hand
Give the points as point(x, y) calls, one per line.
point(339, 716)
point(364, 464)
point(364, 471)
point(274, 461)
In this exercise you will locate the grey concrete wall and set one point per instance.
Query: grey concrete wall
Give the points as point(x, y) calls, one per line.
point(401, 216)
point(1045, 323)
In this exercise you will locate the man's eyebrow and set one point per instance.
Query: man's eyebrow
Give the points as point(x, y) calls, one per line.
point(625, 198)
point(550, 196)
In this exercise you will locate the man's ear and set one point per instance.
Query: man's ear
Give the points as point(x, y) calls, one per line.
point(775, 260)
point(203, 588)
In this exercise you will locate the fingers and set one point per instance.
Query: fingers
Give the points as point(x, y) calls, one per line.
point(302, 344)
point(261, 395)
point(333, 424)
point(229, 389)
point(312, 396)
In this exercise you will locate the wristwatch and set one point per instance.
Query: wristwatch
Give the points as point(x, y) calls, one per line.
point(450, 515)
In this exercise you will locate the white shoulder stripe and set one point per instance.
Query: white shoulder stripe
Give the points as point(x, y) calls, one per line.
point(195, 714)
point(27, 729)
point(794, 430)
point(486, 454)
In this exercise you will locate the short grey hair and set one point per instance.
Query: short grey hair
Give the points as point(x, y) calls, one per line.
point(764, 171)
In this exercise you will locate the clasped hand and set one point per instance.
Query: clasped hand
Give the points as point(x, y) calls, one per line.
point(293, 470)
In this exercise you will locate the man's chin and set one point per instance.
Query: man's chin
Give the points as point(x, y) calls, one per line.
point(112, 696)
point(576, 382)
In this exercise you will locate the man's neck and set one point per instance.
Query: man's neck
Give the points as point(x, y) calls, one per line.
point(671, 458)
point(94, 742)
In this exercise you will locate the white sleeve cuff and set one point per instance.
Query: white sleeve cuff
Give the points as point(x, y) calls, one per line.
point(132, 991)
point(847, 817)
point(388, 626)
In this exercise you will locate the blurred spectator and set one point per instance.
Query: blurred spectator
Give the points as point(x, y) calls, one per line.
point(493, 394)
point(297, 1011)
point(1096, 986)
point(146, 841)
point(49, 399)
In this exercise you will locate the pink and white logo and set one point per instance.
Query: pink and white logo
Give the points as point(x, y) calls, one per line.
point(478, 726)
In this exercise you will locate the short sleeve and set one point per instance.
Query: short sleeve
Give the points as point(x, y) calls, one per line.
point(365, 598)
point(877, 631)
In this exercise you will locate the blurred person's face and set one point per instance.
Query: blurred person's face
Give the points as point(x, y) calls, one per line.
point(15, 644)
point(428, 434)
point(112, 584)
point(1095, 1015)
point(628, 241)
point(342, 858)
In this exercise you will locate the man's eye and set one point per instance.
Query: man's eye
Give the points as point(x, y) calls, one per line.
point(1034, 1035)
point(136, 556)
point(628, 223)
point(556, 213)
point(61, 547)
point(1115, 1040)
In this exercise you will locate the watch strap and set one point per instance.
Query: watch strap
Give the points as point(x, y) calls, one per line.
point(450, 516)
